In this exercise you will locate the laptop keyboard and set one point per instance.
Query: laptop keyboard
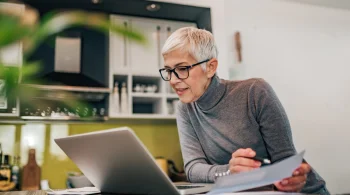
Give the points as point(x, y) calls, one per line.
point(182, 187)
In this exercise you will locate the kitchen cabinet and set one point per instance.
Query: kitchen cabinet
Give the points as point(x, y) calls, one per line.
point(148, 96)
point(119, 48)
point(10, 56)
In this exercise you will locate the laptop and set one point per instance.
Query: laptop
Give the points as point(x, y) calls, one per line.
point(116, 161)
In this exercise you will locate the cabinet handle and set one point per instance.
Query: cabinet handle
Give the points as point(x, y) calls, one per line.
point(125, 47)
point(158, 46)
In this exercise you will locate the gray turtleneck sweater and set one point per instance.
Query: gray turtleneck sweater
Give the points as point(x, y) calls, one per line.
point(232, 115)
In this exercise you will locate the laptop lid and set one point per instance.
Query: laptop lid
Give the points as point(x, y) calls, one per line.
point(116, 161)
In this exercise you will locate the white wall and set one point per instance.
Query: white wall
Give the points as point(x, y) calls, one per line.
point(303, 51)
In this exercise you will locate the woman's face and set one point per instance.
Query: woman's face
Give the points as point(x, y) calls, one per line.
point(192, 88)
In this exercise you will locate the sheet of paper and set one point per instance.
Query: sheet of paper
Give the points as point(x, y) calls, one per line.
point(85, 190)
point(258, 177)
point(262, 193)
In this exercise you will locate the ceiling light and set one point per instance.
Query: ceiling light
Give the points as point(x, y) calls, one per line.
point(153, 7)
point(96, 1)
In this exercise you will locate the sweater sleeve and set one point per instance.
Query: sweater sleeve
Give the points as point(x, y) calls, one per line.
point(276, 130)
point(197, 167)
point(272, 119)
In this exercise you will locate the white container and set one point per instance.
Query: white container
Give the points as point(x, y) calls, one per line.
point(115, 100)
point(124, 100)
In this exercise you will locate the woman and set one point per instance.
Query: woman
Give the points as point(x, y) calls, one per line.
point(221, 123)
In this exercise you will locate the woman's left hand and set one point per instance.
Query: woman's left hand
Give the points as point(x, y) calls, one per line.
point(296, 182)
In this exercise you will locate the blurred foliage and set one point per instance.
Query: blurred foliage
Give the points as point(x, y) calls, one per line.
point(28, 29)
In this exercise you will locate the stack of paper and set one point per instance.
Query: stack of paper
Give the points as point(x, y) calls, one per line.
point(262, 193)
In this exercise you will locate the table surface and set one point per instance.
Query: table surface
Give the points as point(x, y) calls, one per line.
point(38, 192)
point(41, 192)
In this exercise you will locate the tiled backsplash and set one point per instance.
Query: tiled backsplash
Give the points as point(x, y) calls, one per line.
point(161, 140)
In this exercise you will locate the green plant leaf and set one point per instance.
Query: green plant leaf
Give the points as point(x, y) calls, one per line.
point(11, 30)
point(10, 77)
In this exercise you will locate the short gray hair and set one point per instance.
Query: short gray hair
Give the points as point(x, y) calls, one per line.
point(198, 43)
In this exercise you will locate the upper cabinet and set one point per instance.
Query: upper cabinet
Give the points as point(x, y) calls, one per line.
point(119, 47)
point(138, 90)
point(11, 57)
point(145, 60)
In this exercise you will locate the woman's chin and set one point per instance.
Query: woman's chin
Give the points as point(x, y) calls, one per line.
point(185, 100)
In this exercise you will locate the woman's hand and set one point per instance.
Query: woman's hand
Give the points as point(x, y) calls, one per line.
point(241, 161)
point(297, 181)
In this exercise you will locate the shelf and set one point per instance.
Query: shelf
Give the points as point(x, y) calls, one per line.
point(143, 116)
point(172, 96)
point(64, 96)
point(120, 119)
point(121, 71)
point(64, 118)
point(146, 95)
point(9, 114)
point(142, 74)
point(69, 88)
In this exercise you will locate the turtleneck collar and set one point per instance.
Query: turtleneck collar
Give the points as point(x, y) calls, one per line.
point(212, 95)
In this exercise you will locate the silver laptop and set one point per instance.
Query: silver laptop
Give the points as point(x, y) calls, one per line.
point(116, 161)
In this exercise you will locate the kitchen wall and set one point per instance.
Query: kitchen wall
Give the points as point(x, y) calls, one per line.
point(302, 50)
point(160, 140)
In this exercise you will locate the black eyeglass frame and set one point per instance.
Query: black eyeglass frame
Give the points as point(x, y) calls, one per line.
point(173, 70)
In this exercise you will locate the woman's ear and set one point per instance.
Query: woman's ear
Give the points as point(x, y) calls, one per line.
point(212, 65)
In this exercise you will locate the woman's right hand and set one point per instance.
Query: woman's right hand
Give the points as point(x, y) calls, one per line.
point(241, 161)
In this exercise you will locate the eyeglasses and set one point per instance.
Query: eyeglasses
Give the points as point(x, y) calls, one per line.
point(181, 72)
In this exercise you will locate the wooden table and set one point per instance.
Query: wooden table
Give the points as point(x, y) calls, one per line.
point(38, 192)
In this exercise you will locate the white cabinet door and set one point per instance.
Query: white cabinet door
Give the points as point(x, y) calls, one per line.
point(173, 26)
point(169, 28)
point(129, 59)
point(145, 60)
point(119, 49)
point(12, 54)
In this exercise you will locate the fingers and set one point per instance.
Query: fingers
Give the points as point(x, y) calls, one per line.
point(248, 152)
point(241, 161)
point(294, 180)
point(245, 162)
point(302, 170)
point(294, 183)
point(290, 187)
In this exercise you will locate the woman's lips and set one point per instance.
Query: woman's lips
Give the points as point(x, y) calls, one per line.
point(181, 91)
